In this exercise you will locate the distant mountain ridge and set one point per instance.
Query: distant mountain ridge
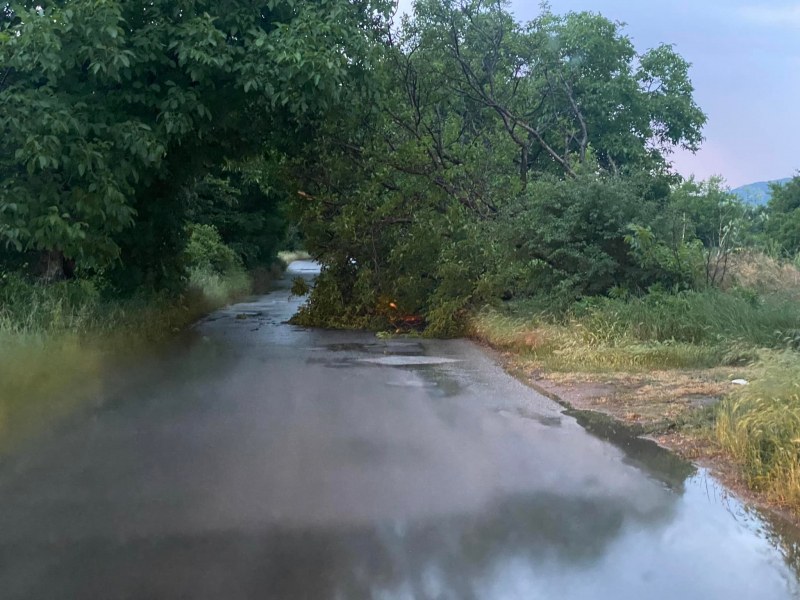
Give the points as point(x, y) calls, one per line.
point(757, 193)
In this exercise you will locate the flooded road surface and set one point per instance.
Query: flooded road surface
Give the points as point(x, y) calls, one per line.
point(261, 460)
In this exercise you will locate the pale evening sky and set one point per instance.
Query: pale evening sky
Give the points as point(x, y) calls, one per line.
point(745, 57)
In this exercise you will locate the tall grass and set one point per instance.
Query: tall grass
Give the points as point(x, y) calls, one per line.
point(215, 289)
point(660, 330)
point(43, 377)
point(760, 426)
point(573, 347)
point(686, 330)
point(56, 338)
point(759, 271)
point(706, 317)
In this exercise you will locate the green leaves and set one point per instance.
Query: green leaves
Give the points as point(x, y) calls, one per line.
point(783, 217)
point(496, 160)
point(111, 106)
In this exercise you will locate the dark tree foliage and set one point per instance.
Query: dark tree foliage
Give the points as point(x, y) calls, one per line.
point(447, 161)
point(112, 108)
point(503, 160)
point(783, 217)
point(248, 217)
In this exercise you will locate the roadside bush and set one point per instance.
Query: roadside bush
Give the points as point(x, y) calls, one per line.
point(205, 251)
point(783, 223)
point(214, 269)
point(558, 241)
point(571, 237)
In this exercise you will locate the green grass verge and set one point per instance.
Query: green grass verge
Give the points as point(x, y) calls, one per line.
point(55, 340)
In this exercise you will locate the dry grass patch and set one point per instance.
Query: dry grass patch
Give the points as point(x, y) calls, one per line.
point(656, 401)
point(755, 270)
point(578, 346)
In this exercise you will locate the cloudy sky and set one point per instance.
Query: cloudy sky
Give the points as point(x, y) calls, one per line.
point(746, 72)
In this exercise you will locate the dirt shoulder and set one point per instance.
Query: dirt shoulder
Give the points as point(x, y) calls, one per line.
point(674, 408)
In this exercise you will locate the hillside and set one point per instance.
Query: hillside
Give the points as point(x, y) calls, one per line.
point(757, 193)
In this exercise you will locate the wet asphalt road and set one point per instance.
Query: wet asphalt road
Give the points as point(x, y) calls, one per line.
point(259, 460)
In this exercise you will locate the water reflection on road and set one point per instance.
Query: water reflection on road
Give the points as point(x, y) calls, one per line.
point(262, 460)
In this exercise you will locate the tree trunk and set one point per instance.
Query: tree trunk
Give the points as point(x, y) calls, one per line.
point(54, 266)
point(523, 166)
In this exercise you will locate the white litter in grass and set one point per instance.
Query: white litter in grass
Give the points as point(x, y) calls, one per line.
point(740, 382)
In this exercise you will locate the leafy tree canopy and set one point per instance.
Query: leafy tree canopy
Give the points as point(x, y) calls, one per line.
point(109, 108)
point(783, 216)
point(449, 160)
point(503, 159)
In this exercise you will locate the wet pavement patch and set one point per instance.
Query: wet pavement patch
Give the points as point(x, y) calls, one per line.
point(400, 348)
point(640, 452)
point(409, 361)
point(248, 315)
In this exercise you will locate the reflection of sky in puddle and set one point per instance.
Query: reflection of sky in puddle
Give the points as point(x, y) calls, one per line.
point(385, 348)
point(552, 547)
point(438, 381)
point(409, 361)
point(411, 368)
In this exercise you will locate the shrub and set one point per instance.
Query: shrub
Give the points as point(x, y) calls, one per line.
point(205, 251)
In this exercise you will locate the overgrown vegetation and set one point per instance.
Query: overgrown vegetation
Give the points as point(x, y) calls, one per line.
point(513, 182)
point(456, 171)
point(501, 160)
point(659, 330)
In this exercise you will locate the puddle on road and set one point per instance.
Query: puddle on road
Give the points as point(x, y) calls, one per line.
point(642, 453)
point(684, 478)
point(409, 361)
point(546, 420)
point(393, 348)
point(439, 382)
point(413, 368)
